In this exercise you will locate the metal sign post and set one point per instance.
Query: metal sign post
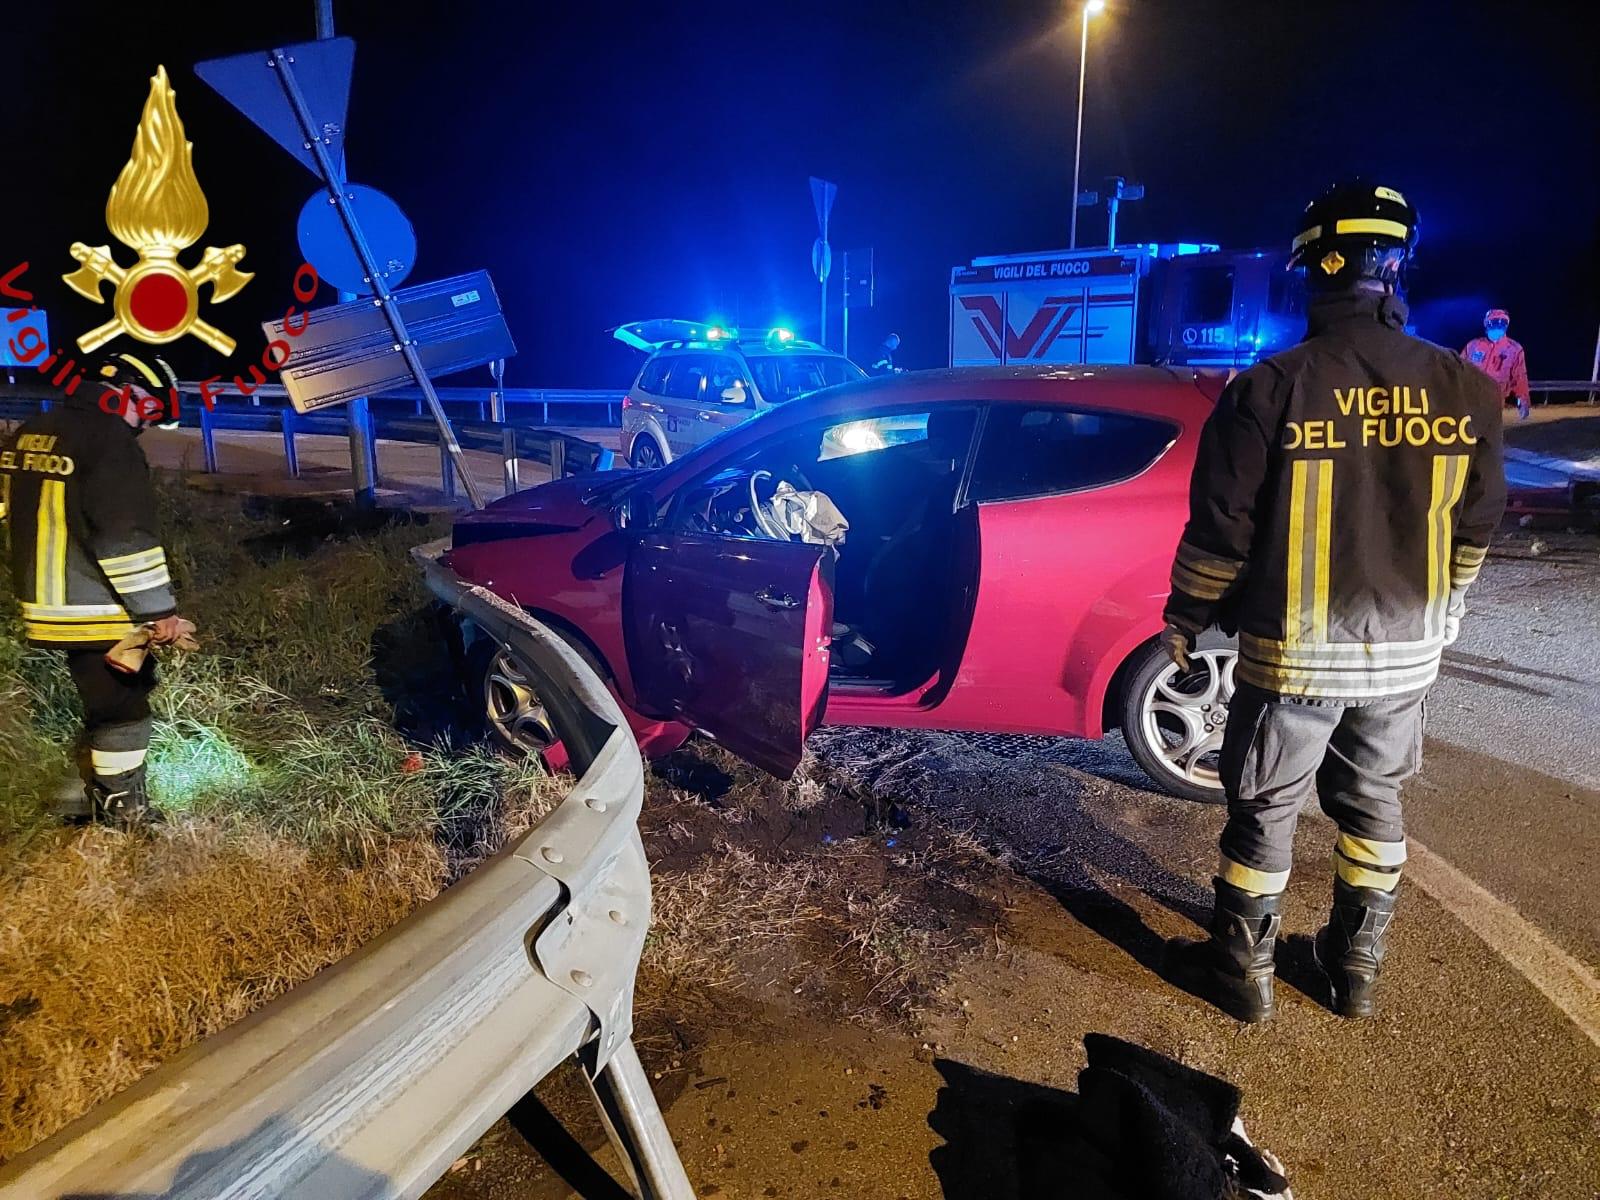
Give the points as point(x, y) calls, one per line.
point(338, 196)
point(823, 194)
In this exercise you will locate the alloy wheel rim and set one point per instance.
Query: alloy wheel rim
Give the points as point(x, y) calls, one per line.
point(513, 708)
point(1184, 714)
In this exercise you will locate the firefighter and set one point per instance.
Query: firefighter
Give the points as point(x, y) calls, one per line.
point(1343, 498)
point(883, 364)
point(1501, 359)
point(88, 565)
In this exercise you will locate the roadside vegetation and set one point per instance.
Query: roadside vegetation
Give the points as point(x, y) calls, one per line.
point(320, 777)
point(314, 790)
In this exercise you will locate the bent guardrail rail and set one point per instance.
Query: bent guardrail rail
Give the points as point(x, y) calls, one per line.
point(371, 1078)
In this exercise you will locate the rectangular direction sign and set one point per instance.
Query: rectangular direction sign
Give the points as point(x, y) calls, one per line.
point(348, 350)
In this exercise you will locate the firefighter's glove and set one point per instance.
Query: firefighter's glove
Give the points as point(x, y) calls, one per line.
point(173, 631)
point(129, 654)
point(1178, 645)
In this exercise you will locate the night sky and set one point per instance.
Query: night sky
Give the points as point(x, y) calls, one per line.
point(612, 162)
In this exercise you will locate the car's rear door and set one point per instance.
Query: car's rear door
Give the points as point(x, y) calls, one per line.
point(719, 413)
point(730, 634)
point(684, 399)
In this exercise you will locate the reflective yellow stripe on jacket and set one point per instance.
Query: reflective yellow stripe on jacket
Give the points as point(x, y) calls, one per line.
point(1449, 479)
point(50, 544)
point(1304, 661)
point(137, 572)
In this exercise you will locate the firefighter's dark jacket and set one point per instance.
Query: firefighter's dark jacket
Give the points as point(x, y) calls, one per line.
point(1343, 498)
point(86, 558)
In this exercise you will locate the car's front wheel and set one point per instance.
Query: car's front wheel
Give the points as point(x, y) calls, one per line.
point(513, 715)
point(1174, 720)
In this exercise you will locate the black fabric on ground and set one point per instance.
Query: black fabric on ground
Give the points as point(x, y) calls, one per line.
point(1166, 1127)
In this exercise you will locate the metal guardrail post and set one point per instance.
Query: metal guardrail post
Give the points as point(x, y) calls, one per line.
point(291, 453)
point(508, 436)
point(208, 440)
point(510, 463)
point(447, 474)
point(633, 1122)
point(558, 456)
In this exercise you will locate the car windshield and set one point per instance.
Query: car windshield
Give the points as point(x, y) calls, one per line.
point(782, 377)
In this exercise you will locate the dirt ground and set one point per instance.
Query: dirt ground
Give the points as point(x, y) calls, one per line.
point(1028, 886)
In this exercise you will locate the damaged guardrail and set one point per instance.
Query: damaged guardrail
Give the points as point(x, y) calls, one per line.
point(371, 1078)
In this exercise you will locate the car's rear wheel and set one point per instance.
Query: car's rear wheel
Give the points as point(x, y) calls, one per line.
point(1174, 720)
point(645, 455)
point(513, 715)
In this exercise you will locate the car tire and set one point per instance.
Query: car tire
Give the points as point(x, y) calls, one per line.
point(645, 455)
point(1173, 720)
point(506, 702)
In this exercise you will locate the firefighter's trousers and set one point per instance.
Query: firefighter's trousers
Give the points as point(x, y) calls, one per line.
point(1278, 752)
point(116, 716)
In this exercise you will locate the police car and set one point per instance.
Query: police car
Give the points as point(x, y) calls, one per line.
point(701, 379)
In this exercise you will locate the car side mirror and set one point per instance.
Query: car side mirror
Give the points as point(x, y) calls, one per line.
point(638, 509)
point(735, 394)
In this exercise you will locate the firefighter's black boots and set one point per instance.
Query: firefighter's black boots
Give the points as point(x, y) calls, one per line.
point(121, 801)
point(1233, 968)
point(1349, 948)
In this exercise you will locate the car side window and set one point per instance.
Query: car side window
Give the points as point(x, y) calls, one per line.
point(653, 378)
point(687, 375)
point(725, 373)
point(1045, 451)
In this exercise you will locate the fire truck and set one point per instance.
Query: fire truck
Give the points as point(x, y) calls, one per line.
point(1183, 303)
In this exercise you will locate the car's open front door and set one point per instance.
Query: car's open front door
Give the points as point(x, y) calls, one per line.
point(730, 635)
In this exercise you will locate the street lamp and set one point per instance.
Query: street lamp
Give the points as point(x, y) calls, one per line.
point(1090, 8)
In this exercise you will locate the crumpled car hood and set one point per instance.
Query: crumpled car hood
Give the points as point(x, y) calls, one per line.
point(557, 507)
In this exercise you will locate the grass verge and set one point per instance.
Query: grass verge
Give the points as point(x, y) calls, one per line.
point(315, 788)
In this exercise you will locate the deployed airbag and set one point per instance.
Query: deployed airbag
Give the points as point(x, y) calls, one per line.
point(812, 516)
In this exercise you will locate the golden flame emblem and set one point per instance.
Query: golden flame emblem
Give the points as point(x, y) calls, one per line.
point(156, 208)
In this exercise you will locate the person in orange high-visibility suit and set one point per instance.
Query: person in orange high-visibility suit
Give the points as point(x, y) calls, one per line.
point(1502, 359)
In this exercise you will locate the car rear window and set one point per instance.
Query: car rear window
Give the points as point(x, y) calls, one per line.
point(653, 378)
point(1045, 451)
point(782, 377)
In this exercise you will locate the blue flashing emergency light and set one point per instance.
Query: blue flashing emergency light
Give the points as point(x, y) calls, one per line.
point(780, 335)
point(717, 333)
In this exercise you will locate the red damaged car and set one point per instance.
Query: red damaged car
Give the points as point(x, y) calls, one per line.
point(965, 549)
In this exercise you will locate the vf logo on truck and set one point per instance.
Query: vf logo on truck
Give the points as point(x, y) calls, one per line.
point(156, 208)
point(1034, 340)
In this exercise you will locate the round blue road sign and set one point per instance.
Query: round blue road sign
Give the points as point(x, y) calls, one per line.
point(327, 247)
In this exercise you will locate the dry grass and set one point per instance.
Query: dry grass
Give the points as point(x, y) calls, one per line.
point(117, 952)
point(850, 922)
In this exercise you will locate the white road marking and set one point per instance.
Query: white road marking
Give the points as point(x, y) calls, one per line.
point(1565, 981)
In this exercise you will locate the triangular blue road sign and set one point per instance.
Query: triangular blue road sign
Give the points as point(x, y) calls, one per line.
point(252, 84)
point(823, 194)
